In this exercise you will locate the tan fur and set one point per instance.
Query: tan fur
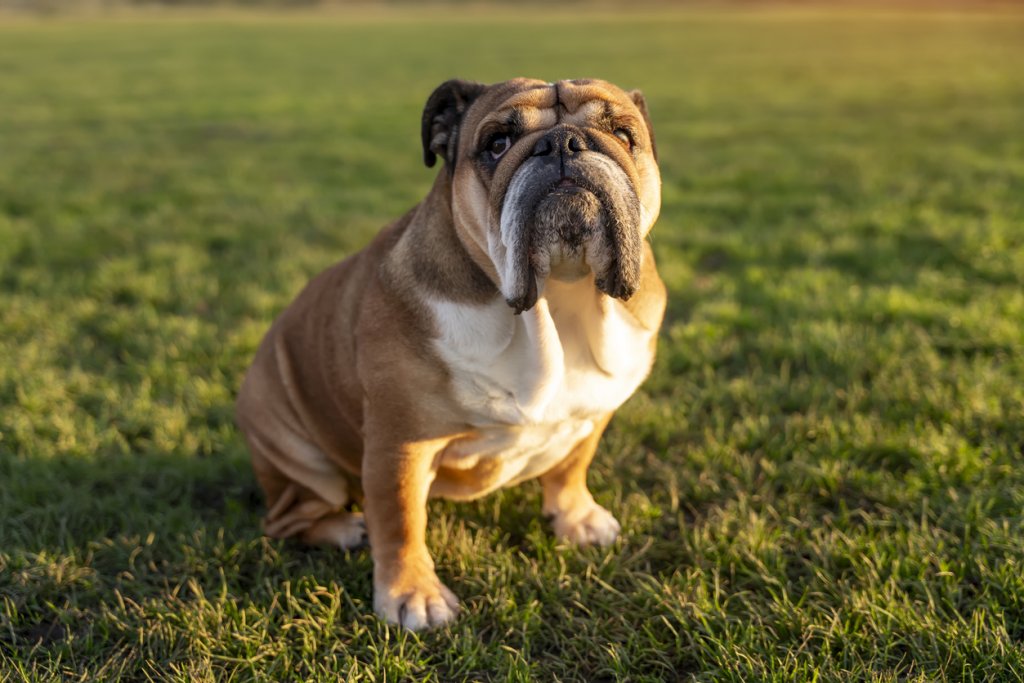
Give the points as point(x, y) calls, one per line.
point(349, 400)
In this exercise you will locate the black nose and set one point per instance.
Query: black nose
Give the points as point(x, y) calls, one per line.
point(564, 141)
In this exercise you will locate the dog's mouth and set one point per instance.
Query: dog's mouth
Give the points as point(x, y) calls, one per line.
point(565, 223)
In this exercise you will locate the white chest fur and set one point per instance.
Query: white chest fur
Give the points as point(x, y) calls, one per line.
point(533, 384)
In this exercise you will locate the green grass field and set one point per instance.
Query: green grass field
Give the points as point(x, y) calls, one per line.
point(822, 479)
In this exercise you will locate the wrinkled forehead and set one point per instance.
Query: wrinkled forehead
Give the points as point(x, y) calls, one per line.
point(532, 104)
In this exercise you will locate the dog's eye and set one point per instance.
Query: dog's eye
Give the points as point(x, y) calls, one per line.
point(623, 134)
point(498, 145)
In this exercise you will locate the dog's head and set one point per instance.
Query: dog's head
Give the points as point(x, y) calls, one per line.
point(548, 180)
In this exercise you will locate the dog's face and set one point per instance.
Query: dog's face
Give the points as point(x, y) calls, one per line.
point(548, 180)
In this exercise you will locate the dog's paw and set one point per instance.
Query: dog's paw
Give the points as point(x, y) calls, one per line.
point(415, 600)
point(587, 525)
point(346, 530)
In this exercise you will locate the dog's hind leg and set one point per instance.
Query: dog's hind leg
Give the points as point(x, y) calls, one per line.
point(303, 499)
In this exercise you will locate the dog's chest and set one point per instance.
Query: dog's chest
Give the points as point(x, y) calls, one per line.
point(533, 385)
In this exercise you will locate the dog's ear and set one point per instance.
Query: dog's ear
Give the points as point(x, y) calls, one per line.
point(442, 116)
point(641, 104)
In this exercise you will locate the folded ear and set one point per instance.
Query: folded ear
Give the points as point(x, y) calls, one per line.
point(442, 116)
point(641, 104)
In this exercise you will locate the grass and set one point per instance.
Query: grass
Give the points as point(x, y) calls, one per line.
point(821, 480)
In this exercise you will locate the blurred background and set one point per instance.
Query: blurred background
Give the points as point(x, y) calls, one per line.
point(823, 473)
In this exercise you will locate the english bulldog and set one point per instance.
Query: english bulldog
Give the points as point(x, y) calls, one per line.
point(483, 339)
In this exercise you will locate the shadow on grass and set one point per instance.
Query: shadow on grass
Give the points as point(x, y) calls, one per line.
point(61, 500)
point(91, 542)
point(102, 550)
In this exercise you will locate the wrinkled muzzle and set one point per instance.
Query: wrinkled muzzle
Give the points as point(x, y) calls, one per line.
point(564, 221)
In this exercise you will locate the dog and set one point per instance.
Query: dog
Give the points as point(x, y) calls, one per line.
point(483, 339)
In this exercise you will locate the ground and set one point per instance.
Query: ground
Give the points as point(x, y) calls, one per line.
point(821, 480)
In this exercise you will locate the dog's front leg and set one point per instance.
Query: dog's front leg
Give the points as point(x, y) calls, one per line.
point(574, 514)
point(396, 480)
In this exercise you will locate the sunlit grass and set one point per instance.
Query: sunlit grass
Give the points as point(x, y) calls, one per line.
point(821, 478)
